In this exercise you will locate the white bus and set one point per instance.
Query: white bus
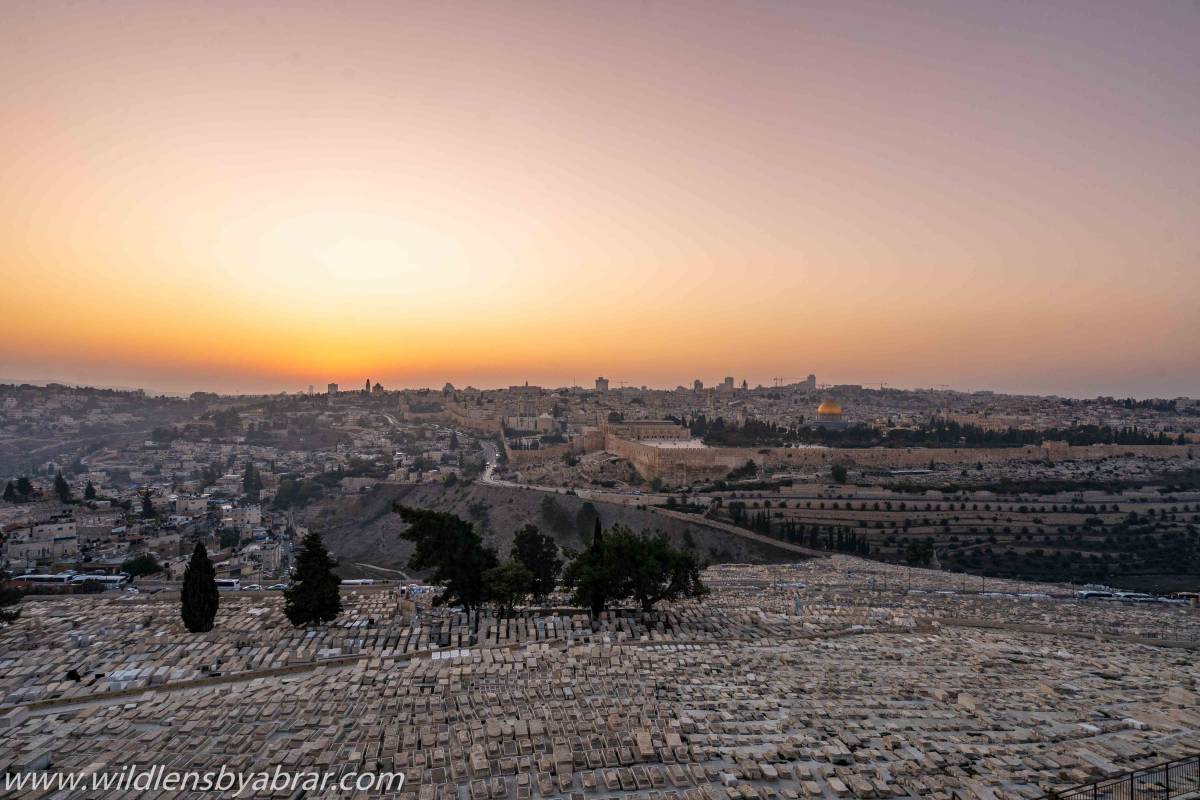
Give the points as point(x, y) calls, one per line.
point(107, 581)
point(359, 582)
point(228, 585)
point(60, 579)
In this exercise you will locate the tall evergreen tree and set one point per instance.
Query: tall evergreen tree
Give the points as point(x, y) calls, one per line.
point(10, 493)
point(89, 491)
point(585, 520)
point(313, 596)
point(62, 488)
point(251, 481)
point(148, 505)
point(199, 597)
point(24, 488)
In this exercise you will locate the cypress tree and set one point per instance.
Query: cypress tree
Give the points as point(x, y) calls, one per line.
point(591, 573)
point(148, 507)
point(251, 481)
point(62, 488)
point(89, 491)
point(313, 595)
point(199, 594)
point(10, 493)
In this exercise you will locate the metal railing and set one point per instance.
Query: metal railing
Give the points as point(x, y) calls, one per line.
point(1159, 782)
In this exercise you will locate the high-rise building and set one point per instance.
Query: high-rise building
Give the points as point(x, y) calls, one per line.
point(810, 383)
point(729, 383)
point(697, 385)
point(601, 385)
point(331, 389)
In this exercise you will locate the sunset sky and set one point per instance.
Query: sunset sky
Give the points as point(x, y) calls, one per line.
point(262, 195)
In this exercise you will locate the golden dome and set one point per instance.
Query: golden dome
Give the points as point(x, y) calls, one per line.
point(829, 409)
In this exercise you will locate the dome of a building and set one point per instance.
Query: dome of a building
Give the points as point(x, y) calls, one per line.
point(829, 408)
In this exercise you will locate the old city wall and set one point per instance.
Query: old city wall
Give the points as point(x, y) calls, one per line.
point(489, 425)
point(587, 442)
point(678, 465)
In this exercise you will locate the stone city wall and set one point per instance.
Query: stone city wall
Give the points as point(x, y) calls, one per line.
point(489, 425)
point(587, 442)
point(680, 465)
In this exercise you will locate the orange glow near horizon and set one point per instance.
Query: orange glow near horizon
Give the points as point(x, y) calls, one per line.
point(249, 196)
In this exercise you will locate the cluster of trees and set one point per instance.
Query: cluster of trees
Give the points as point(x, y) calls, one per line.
point(1156, 549)
point(140, 565)
point(919, 552)
point(818, 537)
point(1166, 406)
point(22, 491)
point(297, 493)
point(164, 435)
point(561, 521)
point(227, 421)
point(472, 574)
point(616, 566)
point(621, 565)
point(747, 470)
point(312, 597)
point(828, 537)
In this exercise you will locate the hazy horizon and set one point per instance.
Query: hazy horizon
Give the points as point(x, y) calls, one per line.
point(551, 383)
point(255, 197)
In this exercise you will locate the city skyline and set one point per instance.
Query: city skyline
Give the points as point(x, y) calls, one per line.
point(353, 384)
point(249, 198)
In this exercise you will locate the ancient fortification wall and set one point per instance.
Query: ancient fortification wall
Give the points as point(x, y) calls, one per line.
point(587, 442)
point(485, 424)
point(679, 465)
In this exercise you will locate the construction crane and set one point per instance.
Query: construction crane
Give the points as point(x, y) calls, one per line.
point(779, 380)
